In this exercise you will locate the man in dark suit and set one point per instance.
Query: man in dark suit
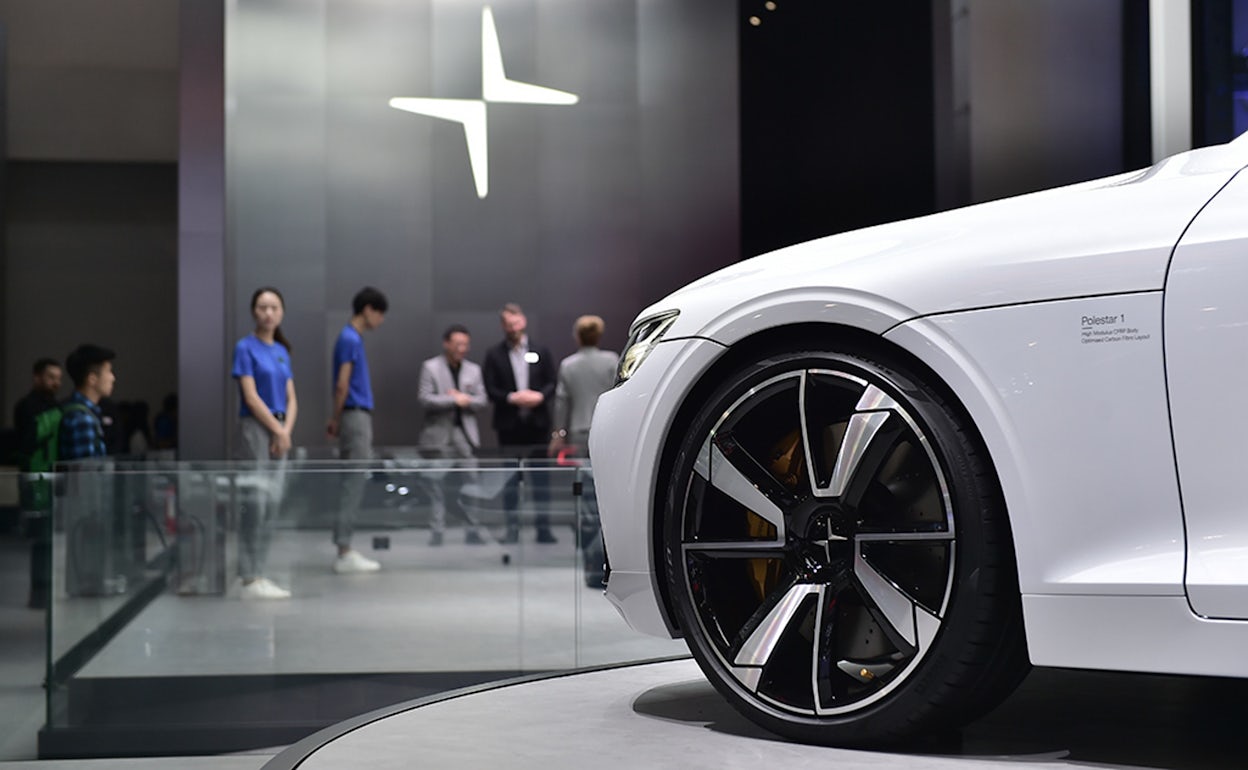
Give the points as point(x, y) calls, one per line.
point(520, 382)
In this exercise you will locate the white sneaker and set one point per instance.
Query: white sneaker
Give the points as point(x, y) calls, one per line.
point(263, 588)
point(354, 562)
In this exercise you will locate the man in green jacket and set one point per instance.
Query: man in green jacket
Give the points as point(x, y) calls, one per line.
point(37, 419)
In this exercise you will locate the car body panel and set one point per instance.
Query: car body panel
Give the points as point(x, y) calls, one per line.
point(639, 415)
point(1107, 236)
point(1074, 418)
point(1044, 316)
point(1157, 634)
point(1206, 359)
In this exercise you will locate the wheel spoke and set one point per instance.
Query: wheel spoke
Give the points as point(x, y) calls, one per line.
point(748, 676)
point(825, 404)
point(737, 550)
point(896, 537)
point(863, 429)
point(757, 649)
point(715, 467)
point(824, 652)
point(873, 399)
point(896, 609)
point(804, 416)
point(927, 625)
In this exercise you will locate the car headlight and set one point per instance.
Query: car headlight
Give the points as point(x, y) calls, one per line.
point(646, 334)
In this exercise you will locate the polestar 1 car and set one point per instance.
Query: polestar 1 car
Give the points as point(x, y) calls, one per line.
point(872, 478)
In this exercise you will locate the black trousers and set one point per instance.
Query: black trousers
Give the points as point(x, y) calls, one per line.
point(522, 445)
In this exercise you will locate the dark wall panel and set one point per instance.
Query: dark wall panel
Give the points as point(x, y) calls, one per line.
point(836, 118)
point(93, 258)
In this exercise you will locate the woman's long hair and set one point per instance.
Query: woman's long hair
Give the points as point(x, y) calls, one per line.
point(277, 333)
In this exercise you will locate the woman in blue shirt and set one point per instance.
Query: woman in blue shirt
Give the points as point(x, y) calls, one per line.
point(266, 419)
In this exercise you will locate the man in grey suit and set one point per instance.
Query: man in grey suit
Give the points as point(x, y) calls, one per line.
point(451, 391)
point(583, 376)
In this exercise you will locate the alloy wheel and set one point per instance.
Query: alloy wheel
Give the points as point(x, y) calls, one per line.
point(817, 541)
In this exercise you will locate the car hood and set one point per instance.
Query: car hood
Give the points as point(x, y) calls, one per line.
point(1110, 235)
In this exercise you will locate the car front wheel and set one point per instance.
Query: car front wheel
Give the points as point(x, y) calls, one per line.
point(838, 552)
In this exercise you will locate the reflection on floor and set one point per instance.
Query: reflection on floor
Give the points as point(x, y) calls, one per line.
point(666, 715)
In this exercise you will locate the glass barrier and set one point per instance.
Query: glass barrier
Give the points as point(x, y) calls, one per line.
point(203, 607)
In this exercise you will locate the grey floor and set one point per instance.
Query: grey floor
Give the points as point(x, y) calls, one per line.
point(666, 715)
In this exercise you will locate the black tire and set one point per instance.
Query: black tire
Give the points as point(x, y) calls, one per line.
point(845, 591)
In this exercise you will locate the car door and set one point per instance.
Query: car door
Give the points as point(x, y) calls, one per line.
point(1206, 346)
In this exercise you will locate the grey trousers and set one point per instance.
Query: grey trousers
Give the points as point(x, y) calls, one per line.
point(588, 523)
point(262, 498)
point(438, 481)
point(355, 442)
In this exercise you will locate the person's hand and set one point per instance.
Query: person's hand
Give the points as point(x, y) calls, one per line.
point(462, 400)
point(331, 429)
point(279, 445)
point(526, 399)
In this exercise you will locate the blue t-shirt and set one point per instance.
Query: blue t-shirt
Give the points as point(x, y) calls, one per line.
point(269, 364)
point(350, 349)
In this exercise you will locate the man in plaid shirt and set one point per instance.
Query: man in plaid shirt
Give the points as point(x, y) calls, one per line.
point(82, 433)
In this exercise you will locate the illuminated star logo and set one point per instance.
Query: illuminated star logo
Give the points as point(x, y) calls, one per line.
point(470, 113)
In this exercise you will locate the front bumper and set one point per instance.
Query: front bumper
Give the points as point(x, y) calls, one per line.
point(630, 429)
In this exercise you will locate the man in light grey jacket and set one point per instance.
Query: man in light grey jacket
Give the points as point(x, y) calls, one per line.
point(583, 376)
point(451, 391)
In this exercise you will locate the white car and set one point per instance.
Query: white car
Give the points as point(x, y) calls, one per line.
point(872, 477)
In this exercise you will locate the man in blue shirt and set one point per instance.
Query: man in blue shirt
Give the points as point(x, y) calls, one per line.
point(352, 420)
point(81, 432)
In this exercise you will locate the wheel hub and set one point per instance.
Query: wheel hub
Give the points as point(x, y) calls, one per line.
point(823, 533)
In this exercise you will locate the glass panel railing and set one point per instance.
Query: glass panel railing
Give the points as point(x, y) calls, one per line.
point(22, 627)
point(161, 641)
